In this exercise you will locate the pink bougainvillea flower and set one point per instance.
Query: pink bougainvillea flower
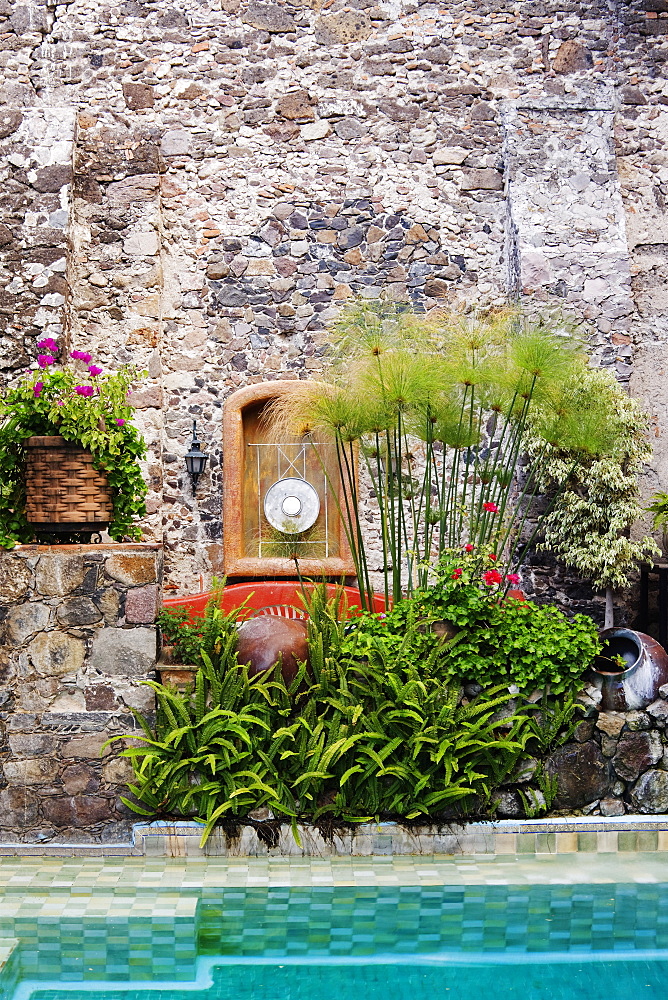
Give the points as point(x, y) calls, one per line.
point(491, 507)
point(37, 388)
point(491, 577)
point(84, 390)
point(457, 573)
point(513, 577)
point(94, 370)
point(48, 344)
point(82, 356)
point(44, 360)
point(120, 421)
point(469, 547)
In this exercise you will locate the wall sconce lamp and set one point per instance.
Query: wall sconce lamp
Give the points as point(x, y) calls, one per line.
point(196, 459)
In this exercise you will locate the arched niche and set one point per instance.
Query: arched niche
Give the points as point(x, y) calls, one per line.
point(262, 529)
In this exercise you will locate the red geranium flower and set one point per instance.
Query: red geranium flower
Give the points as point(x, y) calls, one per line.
point(491, 507)
point(513, 577)
point(469, 547)
point(492, 556)
point(491, 577)
point(457, 573)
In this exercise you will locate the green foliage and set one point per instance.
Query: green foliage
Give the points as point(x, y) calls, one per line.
point(659, 508)
point(595, 499)
point(45, 402)
point(494, 639)
point(375, 726)
point(438, 410)
point(213, 635)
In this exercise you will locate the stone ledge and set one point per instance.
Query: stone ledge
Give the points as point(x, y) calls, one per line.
point(548, 836)
point(504, 837)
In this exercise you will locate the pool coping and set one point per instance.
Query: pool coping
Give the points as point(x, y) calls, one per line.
point(547, 835)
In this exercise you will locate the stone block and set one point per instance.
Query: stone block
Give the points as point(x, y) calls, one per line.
point(144, 244)
point(271, 17)
point(636, 752)
point(486, 179)
point(54, 654)
point(612, 807)
point(142, 187)
point(31, 743)
point(138, 96)
point(53, 177)
point(14, 578)
point(77, 811)
point(59, 573)
point(89, 746)
point(571, 57)
point(611, 723)
point(100, 698)
point(659, 712)
point(176, 142)
point(450, 156)
point(146, 398)
point(80, 778)
point(26, 619)
point(342, 28)
point(295, 105)
point(582, 772)
point(124, 652)
point(18, 808)
point(32, 771)
point(650, 792)
point(78, 611)
point(117, 771)
point(315, 130)
point(132, 568)
point(138, 697)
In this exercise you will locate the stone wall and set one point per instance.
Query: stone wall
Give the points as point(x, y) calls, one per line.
point(237, 170)
point(77, 638)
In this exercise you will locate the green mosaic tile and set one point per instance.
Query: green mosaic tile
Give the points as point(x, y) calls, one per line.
point(647, 840)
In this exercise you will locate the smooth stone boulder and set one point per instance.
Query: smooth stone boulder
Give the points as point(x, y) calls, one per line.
point(266, 639)
point(650, 794)
point(582, 772)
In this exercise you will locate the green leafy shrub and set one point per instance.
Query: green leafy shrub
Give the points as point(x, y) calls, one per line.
point(348, 739)
point(214, 634)
point(495, 639)
point(376, 725)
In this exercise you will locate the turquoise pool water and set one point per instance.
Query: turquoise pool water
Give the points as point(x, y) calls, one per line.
point(352, 942)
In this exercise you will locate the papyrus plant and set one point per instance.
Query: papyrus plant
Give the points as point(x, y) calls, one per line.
point(436, 411)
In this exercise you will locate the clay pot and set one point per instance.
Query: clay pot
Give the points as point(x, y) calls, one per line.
point(637, 684)
point(266, 639)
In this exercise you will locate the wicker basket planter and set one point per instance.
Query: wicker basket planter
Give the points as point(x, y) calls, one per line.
point(63, 491)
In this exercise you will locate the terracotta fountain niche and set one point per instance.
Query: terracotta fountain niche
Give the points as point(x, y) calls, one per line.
point(281, 497)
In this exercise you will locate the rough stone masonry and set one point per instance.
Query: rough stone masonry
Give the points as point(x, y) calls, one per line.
point(198, 188)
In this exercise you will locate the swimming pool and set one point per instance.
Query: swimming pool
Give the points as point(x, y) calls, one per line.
point(453, 930)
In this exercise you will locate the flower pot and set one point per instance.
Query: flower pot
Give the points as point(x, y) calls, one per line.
point(172, 674)
point(637, 684)
point(64, 493)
